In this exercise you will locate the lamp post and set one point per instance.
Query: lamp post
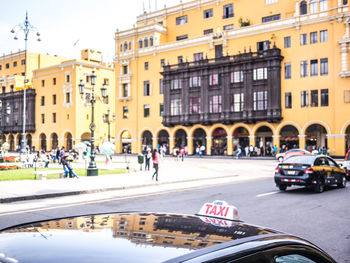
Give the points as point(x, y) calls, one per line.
point(7, 112)
point(107, 120)
point(26, 27)
point(92, 169)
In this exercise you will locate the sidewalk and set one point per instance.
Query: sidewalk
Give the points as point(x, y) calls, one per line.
point(170, 172)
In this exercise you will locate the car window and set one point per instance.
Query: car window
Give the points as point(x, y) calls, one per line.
point(304, 159)
point(293, 258)
point(321, 161)
point(332, 163)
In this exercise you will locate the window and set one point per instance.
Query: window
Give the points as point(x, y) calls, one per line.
point(146, 65)
point(195, 81)
point(182, 37)
point(162, 62)
point(288, 100)
point(161, 109)
point(23, 62)
point(263, 45)
point(146, 88)
point(180, 59)
point(195, 105)
point(214, 79)
point(236, 76)
point(54, 117)
point(287, 71)
point(268, 2)
point(271, 18)
point(304, 98)
point(260, 73)
point(161, 86)
point(0, 67)
point(208, 31)
point(313, 6)
point(303, 8)
point(181, 20)
point(323, 35)
point(42, 118)
point(68, 97)
point(260, 100)
point(237, 102)
point(175, 107)
point(215, 104)
point(121, 47)
point(175, 84)
point(345, 2)
point(68, 78)
point(42, 101)
point(287, 42)
point(314, 98)
point(54, 81)
point(324, 66)
point(323, 5)
point(303, 69)
point(228, 11)
point(347, 96)
point(125, 46)
point(294, 258)
point(42, 83)
point(303, 39)
point(145, 42)
point(198, 56)
point(54, 99)
point(125, 112)
point(151, 41)
point(146, 111)
point(15, 64)
point(228, 27)
point(7, 65)
point(208, 13)
point(129, 45)
point(324, 97)
point(313, 37)
point(313, 68)
point(140, 43)
point(125, 69)
point(125, 90)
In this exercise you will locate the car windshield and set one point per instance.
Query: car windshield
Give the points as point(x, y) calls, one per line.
point(304, 159)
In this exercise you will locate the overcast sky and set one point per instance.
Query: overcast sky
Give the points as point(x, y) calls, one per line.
point(63, 23)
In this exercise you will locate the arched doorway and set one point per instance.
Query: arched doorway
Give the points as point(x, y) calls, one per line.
point(263, 141)
point(54, 141)
point(147, 141)
point(316, 137)
point(29, 141)
point(69, 141)
point(219, 146)
point(289, 138)
point(241, 138)
point(180, 138)
point(163, 140)
point(18, 142)
point(199, 139)
point(43, 144)
point(126, 142)
point(12, 142)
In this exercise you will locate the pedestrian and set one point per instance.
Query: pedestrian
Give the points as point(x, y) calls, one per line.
point(155, 158)
point(67, 167)
point(202, 151)
point(251, 150)
point(239, 151)
point(148, 156)
point(182, 153)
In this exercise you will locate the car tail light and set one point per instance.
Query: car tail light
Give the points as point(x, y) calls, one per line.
point(277, 170)
point(308, 171)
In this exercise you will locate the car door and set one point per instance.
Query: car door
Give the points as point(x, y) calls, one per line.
point(323, 169)
point(337, 172)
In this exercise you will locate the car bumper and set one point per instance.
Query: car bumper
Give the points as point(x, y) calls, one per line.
point(304, 180)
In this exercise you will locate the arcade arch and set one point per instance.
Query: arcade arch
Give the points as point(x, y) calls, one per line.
point(180, 138)
point(219, 146)
point(163, 140)
point(289, 137)
point(316, 137)
point(43, 142)
point(263, 140)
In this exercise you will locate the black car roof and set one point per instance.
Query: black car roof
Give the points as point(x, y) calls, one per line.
point(121, 237)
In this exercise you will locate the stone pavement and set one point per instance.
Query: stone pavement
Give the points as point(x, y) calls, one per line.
point(202, 170)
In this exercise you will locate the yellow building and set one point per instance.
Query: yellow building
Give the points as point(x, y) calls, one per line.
point(220, 88)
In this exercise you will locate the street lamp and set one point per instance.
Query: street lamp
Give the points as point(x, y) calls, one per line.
point(107, 120)
point(26, 27)
point(92, 168)
point(7, 112)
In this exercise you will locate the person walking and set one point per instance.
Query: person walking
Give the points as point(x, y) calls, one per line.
point(148, 157)
point(239, 151)
point(155, 157)
point(67, 167)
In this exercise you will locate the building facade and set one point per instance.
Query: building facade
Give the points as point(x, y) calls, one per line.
point(221, 74)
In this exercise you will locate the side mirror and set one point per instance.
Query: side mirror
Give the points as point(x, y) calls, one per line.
point(340, 165)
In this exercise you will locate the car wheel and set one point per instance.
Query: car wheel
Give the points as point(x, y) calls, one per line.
point(280, 159)
point(342, 184)
point(319, 187)
point(282, 187)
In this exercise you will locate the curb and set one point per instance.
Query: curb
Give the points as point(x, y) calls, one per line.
point(92, 191)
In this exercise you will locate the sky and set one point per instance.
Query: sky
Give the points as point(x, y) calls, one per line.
point(68, 26)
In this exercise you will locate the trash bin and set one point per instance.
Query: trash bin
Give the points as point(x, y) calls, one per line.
point(140, 160)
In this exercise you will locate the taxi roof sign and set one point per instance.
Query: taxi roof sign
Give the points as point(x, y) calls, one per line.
point(219, 209)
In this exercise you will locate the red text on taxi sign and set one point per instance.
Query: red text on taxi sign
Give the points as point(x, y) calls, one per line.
point(219, 209)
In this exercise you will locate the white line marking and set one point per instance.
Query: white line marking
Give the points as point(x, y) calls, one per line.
point(271, 193)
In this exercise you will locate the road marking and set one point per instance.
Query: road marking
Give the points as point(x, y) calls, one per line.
point(270, 193)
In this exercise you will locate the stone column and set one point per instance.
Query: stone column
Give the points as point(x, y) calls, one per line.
point(336, 144)
point(229, 145)
point(302, 141)
point(252, 140)
point(209, 144)
point(276, 141)
point(171, 144)
point(155, 142)
point(190, 145)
